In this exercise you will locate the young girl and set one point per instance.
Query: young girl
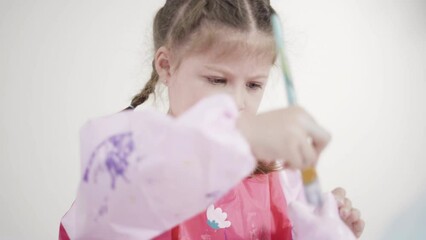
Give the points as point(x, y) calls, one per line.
point(193, 174)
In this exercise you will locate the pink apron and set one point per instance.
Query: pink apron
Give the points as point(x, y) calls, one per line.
point(254, 209)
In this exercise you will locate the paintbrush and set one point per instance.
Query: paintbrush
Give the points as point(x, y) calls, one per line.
point(310, 179)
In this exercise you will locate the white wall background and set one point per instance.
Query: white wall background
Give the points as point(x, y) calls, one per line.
point(359, 68)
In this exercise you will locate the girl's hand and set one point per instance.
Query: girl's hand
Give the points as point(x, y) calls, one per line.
point(321, 223)
point(351, 216)
point(289, 134)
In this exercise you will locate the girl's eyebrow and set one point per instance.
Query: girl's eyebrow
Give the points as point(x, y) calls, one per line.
point(222, 70)
point(227, 72)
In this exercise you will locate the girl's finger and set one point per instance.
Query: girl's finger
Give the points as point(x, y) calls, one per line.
point(339, 194)
point(345, 209)
point(294, 158)
point(347, 204)
point(358, 227)
point(320, 137)
point(344, 213)
point(308, 154)
point(354, 216)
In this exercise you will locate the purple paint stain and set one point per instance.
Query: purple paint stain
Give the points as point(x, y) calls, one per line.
point(103, 210)
point(213, 195)
point(116, 167)
point(229, 114)
point(86, 175)
point(116, 151)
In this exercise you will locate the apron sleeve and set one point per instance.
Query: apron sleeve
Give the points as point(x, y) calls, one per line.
point(144, 172)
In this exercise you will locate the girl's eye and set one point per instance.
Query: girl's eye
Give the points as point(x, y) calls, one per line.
point(254, 86)
point(216, 81)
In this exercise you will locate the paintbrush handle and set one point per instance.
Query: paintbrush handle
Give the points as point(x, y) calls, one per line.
point(310, 179)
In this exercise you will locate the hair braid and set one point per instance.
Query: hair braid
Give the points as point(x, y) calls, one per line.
point(163, 23)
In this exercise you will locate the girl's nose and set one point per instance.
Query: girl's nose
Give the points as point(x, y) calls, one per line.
point(239, 98)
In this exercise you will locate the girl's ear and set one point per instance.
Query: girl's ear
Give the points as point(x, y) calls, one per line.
point(162, 64)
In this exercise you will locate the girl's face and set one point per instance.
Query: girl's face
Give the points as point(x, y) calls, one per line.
point(238, 74)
